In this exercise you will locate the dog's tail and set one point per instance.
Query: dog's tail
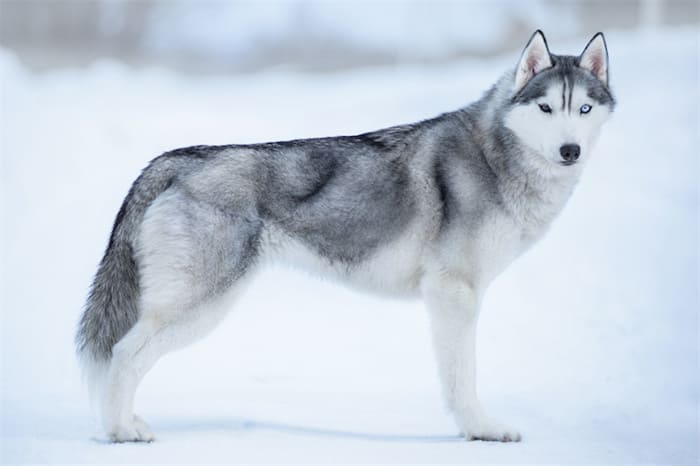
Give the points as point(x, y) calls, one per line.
point(112, 304)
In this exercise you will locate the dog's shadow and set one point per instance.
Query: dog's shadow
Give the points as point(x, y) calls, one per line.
point(251, 425)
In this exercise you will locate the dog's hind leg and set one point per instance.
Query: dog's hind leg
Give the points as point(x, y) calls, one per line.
point(192, 258)
point(128, 365)
point(133, 356)
point(454, 310)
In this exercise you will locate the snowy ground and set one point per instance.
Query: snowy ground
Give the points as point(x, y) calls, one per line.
point(588, 344)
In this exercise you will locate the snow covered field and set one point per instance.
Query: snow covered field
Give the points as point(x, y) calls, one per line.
point(588, 344)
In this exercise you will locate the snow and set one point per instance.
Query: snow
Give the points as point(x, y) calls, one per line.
point(588, 344)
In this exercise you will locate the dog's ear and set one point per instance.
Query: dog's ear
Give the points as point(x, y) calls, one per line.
point(594, 58)
point(534, 59)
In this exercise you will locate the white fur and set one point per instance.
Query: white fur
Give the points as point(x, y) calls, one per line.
point(94, 373)
point(561, 126)
point(454, 310)
point(155, 334)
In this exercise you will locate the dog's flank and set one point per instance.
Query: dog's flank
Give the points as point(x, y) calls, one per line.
point(435, 209)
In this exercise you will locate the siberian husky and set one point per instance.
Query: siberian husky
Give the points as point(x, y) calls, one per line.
point(435, 209)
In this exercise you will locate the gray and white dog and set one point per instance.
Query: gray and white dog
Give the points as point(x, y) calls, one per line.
point(435, 209)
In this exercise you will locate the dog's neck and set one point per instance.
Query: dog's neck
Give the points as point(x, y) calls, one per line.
point(533, 195)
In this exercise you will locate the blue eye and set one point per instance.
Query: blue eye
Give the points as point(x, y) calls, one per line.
point(585, 108)
point(545, 108)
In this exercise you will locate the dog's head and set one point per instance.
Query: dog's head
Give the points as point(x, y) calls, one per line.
point(559, 102)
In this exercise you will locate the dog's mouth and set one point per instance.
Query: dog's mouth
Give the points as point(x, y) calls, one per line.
point(567, 163)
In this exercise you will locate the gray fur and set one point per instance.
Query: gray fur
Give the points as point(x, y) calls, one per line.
point(342, 196)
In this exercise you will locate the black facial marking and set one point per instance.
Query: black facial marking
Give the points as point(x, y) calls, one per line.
point(563, 96)
point(571, 92)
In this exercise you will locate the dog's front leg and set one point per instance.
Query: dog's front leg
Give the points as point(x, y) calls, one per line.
point(454, 311)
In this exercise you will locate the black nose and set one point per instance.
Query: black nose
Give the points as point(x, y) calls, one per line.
point(570, 152)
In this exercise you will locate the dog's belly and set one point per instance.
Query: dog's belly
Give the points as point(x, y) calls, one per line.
point(394, 269)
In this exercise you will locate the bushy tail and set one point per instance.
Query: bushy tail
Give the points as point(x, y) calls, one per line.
point(111, 310)
point(112, 305)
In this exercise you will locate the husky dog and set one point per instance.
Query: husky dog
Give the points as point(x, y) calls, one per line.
point(435, 209)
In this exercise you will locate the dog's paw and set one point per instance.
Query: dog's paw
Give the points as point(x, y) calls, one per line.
point(137, 431)
point(497, 434)
point(144, 432)
point(489, 430)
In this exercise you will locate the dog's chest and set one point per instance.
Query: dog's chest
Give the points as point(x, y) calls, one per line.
point(498, 242)
point(508, 232)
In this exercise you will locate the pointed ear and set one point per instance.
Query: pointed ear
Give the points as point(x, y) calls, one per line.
point(534, 59)
point(594, 58)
